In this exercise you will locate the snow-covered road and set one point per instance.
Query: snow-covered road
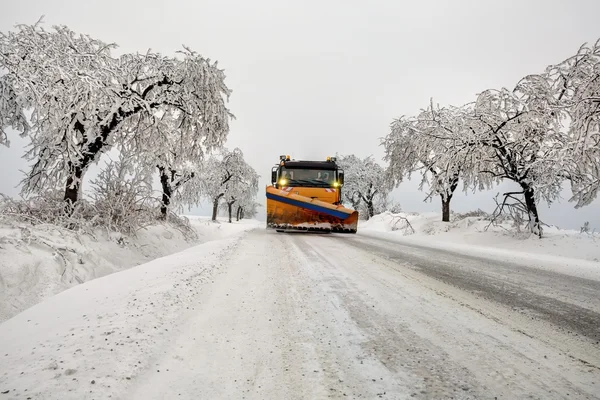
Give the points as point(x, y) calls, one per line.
point(301, 316)
point(326, 316)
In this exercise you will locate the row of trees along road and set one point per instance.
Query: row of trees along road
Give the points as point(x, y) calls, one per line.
point(365, 186)
point(74, 101)
point(230, 182)
point(538, 135)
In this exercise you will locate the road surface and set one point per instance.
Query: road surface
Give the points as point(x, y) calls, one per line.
point(302, 316)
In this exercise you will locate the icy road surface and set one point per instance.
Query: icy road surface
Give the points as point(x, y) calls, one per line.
point(302, 316)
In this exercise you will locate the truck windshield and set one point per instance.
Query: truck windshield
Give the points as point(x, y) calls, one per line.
point(306, 177)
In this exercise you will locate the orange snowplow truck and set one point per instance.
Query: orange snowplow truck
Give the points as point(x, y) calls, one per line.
point(306, 196)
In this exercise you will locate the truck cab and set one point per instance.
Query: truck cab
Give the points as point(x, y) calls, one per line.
point(321, 180)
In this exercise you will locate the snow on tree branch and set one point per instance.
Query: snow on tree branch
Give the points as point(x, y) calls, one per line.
point(11, 111)
point(577, 82)
point(227, 178)
point(122, 194)
point(516, 135)
point(545, 130)
point(85, 102)
point(431, 144)
point(365, 186)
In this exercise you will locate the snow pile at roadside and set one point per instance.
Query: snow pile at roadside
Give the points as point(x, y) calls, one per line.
point(38, 261)
point(209, 230)
point(91, 340)
point(469, 234)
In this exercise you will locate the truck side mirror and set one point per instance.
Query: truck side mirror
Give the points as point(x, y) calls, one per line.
point(341, 177)
point(274, 175)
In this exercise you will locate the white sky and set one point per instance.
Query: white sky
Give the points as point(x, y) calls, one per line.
point(312, 78)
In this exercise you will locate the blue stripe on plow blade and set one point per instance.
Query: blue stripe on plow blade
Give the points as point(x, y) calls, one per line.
point(309, 206)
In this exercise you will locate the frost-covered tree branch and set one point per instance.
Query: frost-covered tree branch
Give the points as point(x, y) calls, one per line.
point(228, 179)
point(122, 194)
point(577, 82)
point(11, 111)
point(58, 76)
point(85, 102)
point(365, 186)
point(516, 135)
point(429, 145)
point(545, 130)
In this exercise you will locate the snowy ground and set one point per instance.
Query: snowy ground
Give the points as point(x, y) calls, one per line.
point(262, 315)
point(39, 261)
point(559, 250)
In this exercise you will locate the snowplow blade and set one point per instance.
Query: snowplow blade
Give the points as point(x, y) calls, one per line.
point(289, 211)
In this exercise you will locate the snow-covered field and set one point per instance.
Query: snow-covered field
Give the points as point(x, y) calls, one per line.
point(39, 261)
point(562, 250)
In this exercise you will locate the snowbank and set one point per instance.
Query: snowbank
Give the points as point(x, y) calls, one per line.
point(557, 250)
point(107, 329)
point(208, 230)
point(39, 261)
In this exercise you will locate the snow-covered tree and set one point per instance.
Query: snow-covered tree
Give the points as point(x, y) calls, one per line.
point(365, 187)
point(425, 144)
point(576, 82)
point(177, 152)
point(516, 135)
point(60, 77)
point(241, 190)
point(84, 102)
point(245, 198)
point(505, 135)
point(227, 178)
point(169, 154)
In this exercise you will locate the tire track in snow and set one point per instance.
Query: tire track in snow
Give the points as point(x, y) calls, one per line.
point(267, 329)
point(301, 316)
point(503, 362)
point(420, 368)
point(506, 285)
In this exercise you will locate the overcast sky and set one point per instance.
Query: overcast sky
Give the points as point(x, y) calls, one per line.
point(312, 78)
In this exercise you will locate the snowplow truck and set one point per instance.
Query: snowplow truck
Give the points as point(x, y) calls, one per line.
point(307, 196)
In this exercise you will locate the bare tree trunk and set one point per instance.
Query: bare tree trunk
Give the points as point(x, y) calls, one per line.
point(72, 189)
point(90, 150)
point(370, 209)
point(166, 194)
point(446, 202)
point(215, 208)
point(238, 213)
point(229, 208)
point(446, 208)
point(534, 220)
